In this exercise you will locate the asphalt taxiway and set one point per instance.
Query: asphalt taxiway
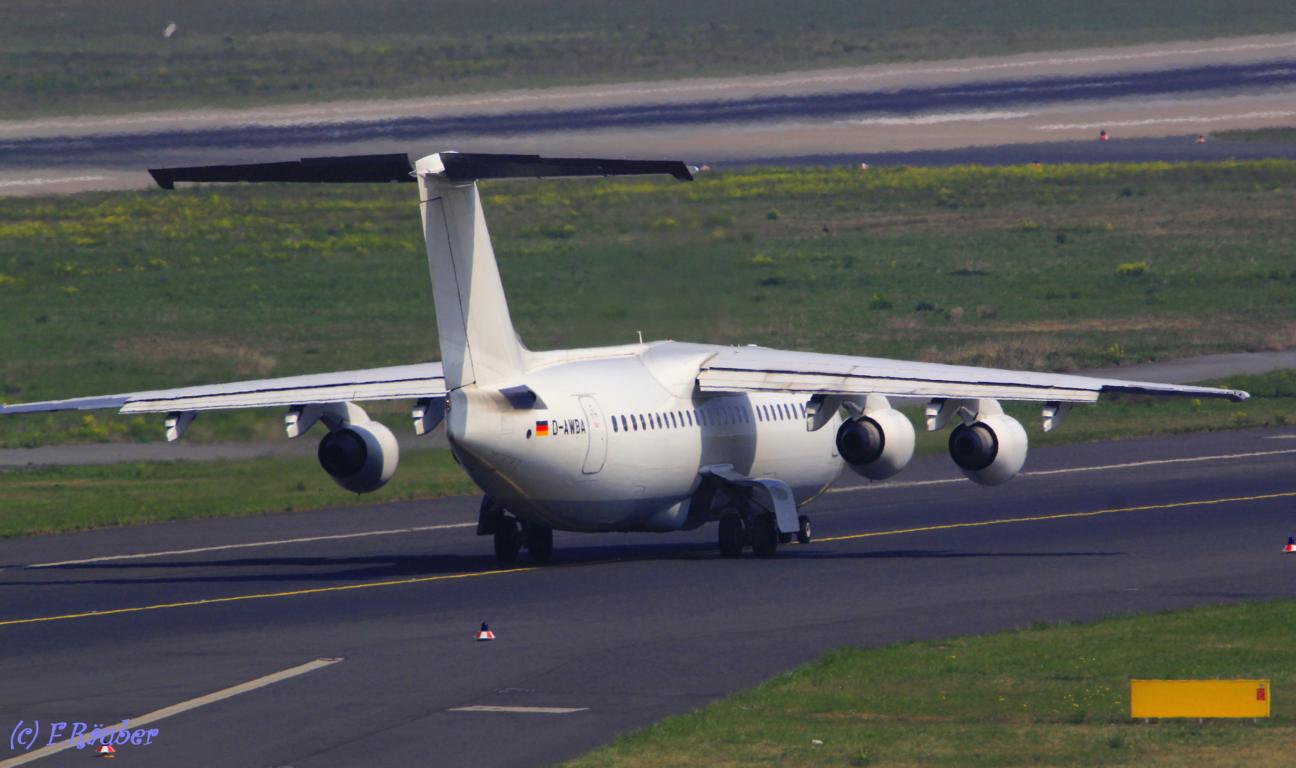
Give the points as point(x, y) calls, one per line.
point(381, 604)
point(862, 114)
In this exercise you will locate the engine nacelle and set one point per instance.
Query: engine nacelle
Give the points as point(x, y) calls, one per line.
point(360, 457)
point(876, 444)
point(990, 451)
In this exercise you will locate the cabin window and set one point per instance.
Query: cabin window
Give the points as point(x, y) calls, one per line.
point(614, 424)
point(689, 416)
point(803, 410)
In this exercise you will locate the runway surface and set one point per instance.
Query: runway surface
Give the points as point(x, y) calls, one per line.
point(620, 630)
point(1177, 89)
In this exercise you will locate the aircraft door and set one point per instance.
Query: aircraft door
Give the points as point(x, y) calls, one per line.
point(596, 453)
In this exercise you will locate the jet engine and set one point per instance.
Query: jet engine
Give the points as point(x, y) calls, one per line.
point(360, 457)
point(877, 443)
point(991, 449)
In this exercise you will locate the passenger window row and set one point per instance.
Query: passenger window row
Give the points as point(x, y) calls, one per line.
point(707, 417)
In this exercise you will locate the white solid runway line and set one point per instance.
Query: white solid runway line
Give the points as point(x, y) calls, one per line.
point(1068, 470)
point(521, 710)
point(175, 709)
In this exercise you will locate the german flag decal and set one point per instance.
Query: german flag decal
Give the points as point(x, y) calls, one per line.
point(542, 429)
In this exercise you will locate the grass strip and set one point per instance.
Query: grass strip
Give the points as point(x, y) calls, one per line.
point(70, 57)
point(1260, 135)
point(54, 499)
point(1046, 695)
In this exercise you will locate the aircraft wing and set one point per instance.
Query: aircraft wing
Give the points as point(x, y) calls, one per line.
point(758, 369)
point(424, 380)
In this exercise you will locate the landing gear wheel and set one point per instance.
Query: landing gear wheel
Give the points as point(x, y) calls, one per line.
point(732, 535)
point(508, 540)
point(539, 542)
point(764, 536)
point(806, 533)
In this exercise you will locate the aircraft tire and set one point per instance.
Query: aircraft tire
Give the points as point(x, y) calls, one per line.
point(508, 540)
point(732, 535)
point(764, 536)
point(539, 542)
point(805, 532)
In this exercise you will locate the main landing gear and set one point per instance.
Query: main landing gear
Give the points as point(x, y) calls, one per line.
point(512, 534)
point(760, 531)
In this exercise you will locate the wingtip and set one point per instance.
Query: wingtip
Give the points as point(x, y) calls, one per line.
point(162, 177)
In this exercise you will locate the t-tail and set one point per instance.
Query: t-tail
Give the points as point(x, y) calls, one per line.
point(478, 342)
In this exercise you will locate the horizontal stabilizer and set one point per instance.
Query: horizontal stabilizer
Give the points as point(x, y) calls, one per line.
point(454, 166)
point(470, 166)
point(350, 169)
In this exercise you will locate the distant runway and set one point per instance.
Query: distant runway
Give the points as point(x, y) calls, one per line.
point(901, 112)
point(345, 637)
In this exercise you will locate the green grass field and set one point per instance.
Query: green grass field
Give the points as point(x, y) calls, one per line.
point(1048, 695)
point(66, 56)
point(1260, 135)
point(55, 499)
point(1053, 268)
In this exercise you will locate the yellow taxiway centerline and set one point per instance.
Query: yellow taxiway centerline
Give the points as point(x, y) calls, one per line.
point(1060, 516)
point(500, 572)
point(267, 595)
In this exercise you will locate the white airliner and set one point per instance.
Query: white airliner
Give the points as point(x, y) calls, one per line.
point(658, 436)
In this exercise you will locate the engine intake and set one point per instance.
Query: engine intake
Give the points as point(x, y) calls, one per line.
point(876, 444)
point(990, 451)
point(360, 457)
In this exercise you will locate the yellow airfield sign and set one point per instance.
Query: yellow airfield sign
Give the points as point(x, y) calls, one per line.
point(1199, 698)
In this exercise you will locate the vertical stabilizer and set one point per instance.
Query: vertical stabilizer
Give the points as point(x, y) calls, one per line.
point(478, 343)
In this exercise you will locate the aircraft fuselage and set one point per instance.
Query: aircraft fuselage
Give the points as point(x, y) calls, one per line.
point(618, 439)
